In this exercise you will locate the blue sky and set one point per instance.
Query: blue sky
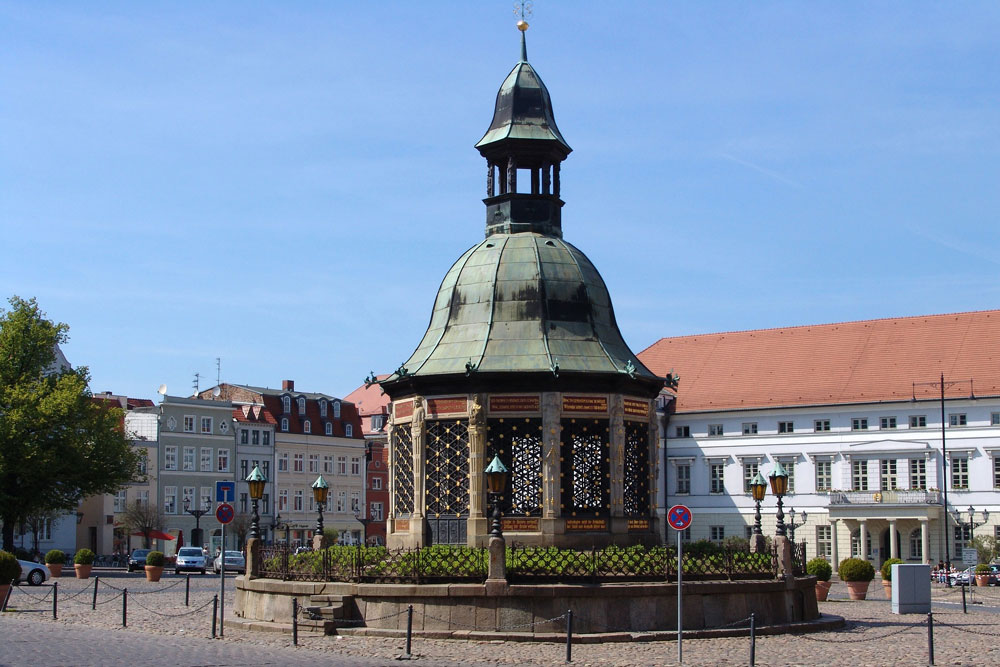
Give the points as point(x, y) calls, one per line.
point(283, 185)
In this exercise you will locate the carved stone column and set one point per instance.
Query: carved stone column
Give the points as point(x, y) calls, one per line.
point(477, 523)
point(551, 454)
point(391, 460)
point(418, 430)
point(617, 451)
point(834, 537)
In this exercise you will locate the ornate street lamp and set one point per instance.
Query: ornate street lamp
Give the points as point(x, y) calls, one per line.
point(792, 525)
point(971, 524)
point(256, 481)
point(779, 487)
point(758, 487)
point(320, 490)
point(496, 480)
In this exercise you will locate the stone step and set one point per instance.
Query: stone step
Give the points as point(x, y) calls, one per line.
point(321, 600)
point(328, 612)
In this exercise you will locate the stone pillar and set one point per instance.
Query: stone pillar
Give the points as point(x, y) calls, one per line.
point(617, 452)
point(253, 558)
point(418, 432)
point(783, 547)
point(863, 539)
point(551, 455)
point(834, 523)
point(477, 525)
point(893, 551)
point(498, 559)
point(925, 542)
point(319, 542)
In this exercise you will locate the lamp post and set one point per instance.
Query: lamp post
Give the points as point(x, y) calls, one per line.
point(496, 480)
point(320, 490)
point(779, 487)
point(256, 481)
point(792, 525)
point(364, 525)
point(758, 487)
point(971, 524)
point(196, 535)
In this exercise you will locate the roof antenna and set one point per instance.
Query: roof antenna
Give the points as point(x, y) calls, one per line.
point(197, 377)
point(523, 10)
point(218, 370)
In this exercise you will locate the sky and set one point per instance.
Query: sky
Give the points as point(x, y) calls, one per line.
point(284, 185)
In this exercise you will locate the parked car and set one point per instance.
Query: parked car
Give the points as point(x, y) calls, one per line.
point(34, 573)
point(190, 559)
point(137, 561)
point(234, 562)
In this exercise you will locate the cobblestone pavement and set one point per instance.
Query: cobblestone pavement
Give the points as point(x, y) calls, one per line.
point(163, 631)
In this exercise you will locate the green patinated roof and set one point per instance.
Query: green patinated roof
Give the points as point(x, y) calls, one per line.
point(523, 302)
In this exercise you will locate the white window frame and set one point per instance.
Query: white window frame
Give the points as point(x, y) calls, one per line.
point(189, 422)
point(223, 458)
point(749, 428)
point(716, 430)
point(170, 457)
point(821, 425)
point(786, 427)
point(206, 425)
point(205, 462)
point(187, 460)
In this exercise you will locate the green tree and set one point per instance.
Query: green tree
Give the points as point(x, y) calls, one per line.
point(144, 518)
point(57, 445)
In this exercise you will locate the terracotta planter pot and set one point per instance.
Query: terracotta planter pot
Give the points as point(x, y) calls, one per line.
point(857, 590)
point(153, 572)
point(887, 587)
point(82, 571)
point(982, 580)
point(822, 590)
point(55, 569)
point(4, 588)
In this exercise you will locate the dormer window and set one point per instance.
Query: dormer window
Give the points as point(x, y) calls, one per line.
point(322, 408)
point(306, 427)
point(284, 424)
point(329, 428)
point(349, 431)
point(336, 409)
point(302, 405)
point(286, 405)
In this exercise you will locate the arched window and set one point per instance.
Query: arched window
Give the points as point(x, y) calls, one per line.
point(336, 409)
point(322, 407)
point(302, 405)
point(349, 431)
point(916, 546)
point(284, 424)
point(286, 404)
point(856, 545)
point(329, 428)
point(306, 427)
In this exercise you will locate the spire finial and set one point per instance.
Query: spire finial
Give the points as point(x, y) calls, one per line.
point(522, 10)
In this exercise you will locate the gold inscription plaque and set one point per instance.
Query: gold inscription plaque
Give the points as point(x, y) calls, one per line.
point(585, 404)
point(520, 525)
point(514, 403)
point(586, 524)
point(636, 408)
point(638, 524)
point(402, 525)
point(446, 406)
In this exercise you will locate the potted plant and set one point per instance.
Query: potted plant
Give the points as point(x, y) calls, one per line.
point(887, 575)
point(54, 560)
point(83, 561)
point(821, 569)
point(857, 574)
point(10, 571)
point(983, 575)
point(154, 565)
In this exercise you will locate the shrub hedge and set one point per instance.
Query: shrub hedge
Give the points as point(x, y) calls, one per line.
point(855, 569)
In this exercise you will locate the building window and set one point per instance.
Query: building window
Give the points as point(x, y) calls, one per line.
point(267, 438)
point(348, 431)
point(885, 423)
point(856, 545)
point(996, 472)
point(888, 469)
point(142, 498)
point(284, 424)
point(120, 500)
point(786, 427)
point(328, 428)
point(994, 418)
point(355, 465)
point(716, 478)
point(916, 545)
point(717, 533)
point(206, 424)
point(187, 497)
point(749, 470)
point(265, 504)
point(683, 478)
point(206, 459)
point(682, 431)
point(170, 500)
point(286, 404)
point(859, 475)
point(376, 483)
point(957, 419)
point(821, 425)
point(297, 507)
point(342, 501)
point(714, 430)
point(243, 502)
point(824, 542)
point(918, 474)
point(189, 423)
point(377, 422)
point(223, 460)
point(170, 458)
point(749, 428)
point(824, 475)
point(283, 462)
point(307, 427)
point(336, 409)
point(188, 458)
point(963, 535)
point(314, 463)
point(301, 402)
point(859, 424)
point(282, 500)
point(375, 513)
point(244, 436)
point(918, 421)
point(206, 498)
point(244, 468)
point(255, 437)
point(328, 465)
point(143, 463)
point(297, 462)
point(959, 472)
point(265, 467)
point(355, 501)
point(322, 408)
point(341, 465)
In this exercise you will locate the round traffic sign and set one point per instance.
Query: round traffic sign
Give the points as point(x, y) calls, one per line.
point(225, 513)
point(679, 517)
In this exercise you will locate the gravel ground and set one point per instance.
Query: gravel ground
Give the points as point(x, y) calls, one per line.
point(873, 635)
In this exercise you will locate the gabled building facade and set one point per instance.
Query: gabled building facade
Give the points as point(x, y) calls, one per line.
point(373, 408)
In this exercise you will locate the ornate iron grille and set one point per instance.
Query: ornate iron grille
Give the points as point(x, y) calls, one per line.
point(518, 443)
point(636, 482)
point(447, 489)
point(799, 559)
point(586, 478)
point(402, 470)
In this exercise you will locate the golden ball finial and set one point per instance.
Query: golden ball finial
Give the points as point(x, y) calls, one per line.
point(522, 25)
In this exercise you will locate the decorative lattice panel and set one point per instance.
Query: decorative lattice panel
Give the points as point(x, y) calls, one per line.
point(586, 477)
point(402, 471)
point(447, 452)
point(518, 443)
point(636, 481)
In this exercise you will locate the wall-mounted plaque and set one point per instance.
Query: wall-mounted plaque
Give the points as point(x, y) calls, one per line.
point(514, 404)
point(585, 404)
point(447, 406)
point(636, 408)
point(638, 524)
point(402, 525)
point(403, 408)
point(519, 525)
point(577, 525)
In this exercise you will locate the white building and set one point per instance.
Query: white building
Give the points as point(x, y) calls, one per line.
point(853, 412)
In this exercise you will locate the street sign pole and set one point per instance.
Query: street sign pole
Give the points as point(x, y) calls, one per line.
point(680, 607)
point(222, 585)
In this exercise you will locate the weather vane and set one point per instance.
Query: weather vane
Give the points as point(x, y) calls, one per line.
point(522, 10)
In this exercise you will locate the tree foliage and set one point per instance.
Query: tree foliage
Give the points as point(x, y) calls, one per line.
point(57, 444)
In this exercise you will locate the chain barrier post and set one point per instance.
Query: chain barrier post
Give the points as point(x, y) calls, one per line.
point(569, 635)
point(187, 591)
point(55, 600)
point(409, 629)
point(6, 598)
point(964, 609)
point(930, 638)
point(93, 603)
point(215, 613)
point(125, 608)
point(753, 639)
point(295, 621)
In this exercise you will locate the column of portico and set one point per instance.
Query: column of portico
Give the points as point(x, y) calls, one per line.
point(863, 538)
point(925, 542)
point(834, 524)
point(893, 551)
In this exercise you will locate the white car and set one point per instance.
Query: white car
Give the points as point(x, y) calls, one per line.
point(34, 573)
point(234, 562)
point(190, 559)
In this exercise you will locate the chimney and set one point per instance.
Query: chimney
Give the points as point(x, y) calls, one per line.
point(288, 385)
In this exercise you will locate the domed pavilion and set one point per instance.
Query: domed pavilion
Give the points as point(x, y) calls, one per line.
point(523, 359)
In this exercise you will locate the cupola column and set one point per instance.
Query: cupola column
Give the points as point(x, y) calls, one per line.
point(555, 179)
point(477, 463)
point(511, 174)
point(489, 179)
point(551, 454)
point(546, 179)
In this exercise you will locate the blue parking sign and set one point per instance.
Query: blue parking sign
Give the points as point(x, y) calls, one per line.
point(225, 492)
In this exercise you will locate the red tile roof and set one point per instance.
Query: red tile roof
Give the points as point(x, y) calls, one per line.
point(370, 400)
point(849, 362)
point(254, 414)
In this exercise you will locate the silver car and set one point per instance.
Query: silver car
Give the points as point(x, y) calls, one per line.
point(234, 562)
point(34, 573)
point(190, 558)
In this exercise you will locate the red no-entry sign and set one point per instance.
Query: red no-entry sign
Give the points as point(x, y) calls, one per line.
point(679, 517)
